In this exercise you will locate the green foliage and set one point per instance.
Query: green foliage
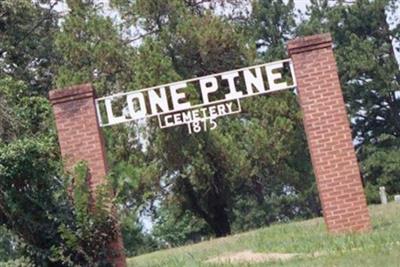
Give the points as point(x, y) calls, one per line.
point(81, 194)
point(7, 245)
point(31, 199)
point(86, 240)
point(274, 24)
point(175, 227)
point(251, 213)
point(91, 49)
point(21, 114)
point(136, 241)
point(17, 263)
point(27, 32)
point(381, 167)
point(34, 205)
point(10, 91)
point(372, 193)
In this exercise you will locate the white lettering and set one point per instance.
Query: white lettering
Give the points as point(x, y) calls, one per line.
point(176, 96)
point(187, 116)
point(233, 94)
point(256, 81)
point(213, 111)
point(221, 109)
point(203, 110)
point(229, 106)
point(110, 115)
point(207, 86)
point(272, 77)
point(178, 118)
point(167, 121)
point(196, 115)
point(160, 101)
point(140, 112)
point(173, 98)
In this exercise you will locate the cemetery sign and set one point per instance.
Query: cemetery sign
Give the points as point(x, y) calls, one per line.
point(199, 101)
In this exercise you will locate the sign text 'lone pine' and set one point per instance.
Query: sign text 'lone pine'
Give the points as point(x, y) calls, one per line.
point(199, 101)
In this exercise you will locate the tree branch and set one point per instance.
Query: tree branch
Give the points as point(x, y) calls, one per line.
point(38, 24)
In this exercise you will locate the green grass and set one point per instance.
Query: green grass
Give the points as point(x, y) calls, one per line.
point(381, 247)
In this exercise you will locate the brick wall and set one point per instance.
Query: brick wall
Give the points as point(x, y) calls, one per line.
point(328, 134)
point(80, 139)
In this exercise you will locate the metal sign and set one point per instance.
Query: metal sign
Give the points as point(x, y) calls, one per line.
point(199, 101)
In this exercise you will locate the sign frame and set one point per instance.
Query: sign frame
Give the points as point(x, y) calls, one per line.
point(278, 64)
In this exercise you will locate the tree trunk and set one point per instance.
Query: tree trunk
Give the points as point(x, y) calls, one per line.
point(221, 225)
point(216, 215)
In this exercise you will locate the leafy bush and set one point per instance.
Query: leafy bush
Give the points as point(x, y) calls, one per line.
point(55, 227)
point(94, 228)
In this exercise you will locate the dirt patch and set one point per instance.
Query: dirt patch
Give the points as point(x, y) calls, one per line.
point(248, 256)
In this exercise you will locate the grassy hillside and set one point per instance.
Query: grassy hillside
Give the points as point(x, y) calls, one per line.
point(295, 244)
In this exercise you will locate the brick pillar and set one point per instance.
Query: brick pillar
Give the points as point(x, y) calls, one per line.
point(328, 134)
point(80, 139)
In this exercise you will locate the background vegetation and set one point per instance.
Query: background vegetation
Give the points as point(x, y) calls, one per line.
point(253, 170)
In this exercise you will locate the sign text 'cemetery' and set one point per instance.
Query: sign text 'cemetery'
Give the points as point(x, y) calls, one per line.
point(199, 101)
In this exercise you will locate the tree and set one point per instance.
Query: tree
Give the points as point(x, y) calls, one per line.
point(172, 232)
point(7, 245)
point(26, 36)
point(34, 205)
point(202, 173)
point(282, 178)
point(26, 67)
point(370, 78)
point(91, 49)
point(26, 57)
point(28, 195)
point(274, 24)
point(213, 47)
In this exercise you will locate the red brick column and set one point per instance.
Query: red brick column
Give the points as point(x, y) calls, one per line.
point(328, 134)
point(80, 139)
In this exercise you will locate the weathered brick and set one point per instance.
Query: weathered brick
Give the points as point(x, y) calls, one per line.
point(328, 134)
point(80, 139)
